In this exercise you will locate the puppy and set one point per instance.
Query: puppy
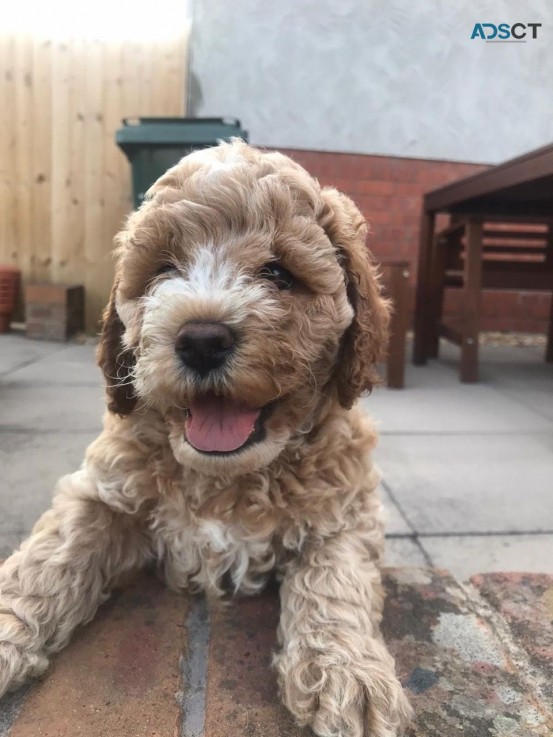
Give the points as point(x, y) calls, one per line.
point(244, 322)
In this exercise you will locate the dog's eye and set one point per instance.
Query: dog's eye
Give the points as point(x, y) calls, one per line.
point(166, 268)
point(281, 277)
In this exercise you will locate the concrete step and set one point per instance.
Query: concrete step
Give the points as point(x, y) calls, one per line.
point(476, 660)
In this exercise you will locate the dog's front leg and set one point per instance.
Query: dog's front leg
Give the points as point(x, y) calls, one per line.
point(334, 670)
point(60, 575)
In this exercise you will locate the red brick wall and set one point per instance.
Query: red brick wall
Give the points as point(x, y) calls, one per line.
point(388, 191)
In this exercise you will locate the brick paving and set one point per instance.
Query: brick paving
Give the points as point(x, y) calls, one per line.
point(120, 675)
point(157, 664)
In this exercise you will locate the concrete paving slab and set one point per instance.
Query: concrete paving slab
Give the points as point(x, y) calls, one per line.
point(491, 358)
point(404, 551)
point(457, 458)
point(466, 556)
point(531, 386)
point(75, 353)
point(521, 374)
point(17, 351)
point(40, 408)
point(453, 408)
point(471, 483)
point(395, 523)
point(61, 369)
point(31, 464)
point(515, 394)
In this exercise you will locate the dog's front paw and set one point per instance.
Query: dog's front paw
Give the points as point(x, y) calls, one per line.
point(17, 667)
point(18, 662)
point(352, 699)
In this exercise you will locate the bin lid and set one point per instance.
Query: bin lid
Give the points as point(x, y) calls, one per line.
point(176, 131)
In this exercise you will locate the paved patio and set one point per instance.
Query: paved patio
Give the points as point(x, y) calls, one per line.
point(467, 469)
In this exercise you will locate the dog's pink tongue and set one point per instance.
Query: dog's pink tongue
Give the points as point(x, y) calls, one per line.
point(215, 424)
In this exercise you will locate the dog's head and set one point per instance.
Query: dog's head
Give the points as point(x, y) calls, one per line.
point(244, 302)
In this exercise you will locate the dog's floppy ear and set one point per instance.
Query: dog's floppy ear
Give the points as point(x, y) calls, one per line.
point(116, 361)
point(365, 340)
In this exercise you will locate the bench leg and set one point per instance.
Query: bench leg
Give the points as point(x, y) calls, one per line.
point(421, 341)
point(471, 311)
point(398, 290)
point(549, 349)
point(437, 289)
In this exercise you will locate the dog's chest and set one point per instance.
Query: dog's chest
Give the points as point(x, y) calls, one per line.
point(217, 540)
point(214, 555)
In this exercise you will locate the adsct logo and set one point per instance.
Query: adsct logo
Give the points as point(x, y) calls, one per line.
point(504, 33)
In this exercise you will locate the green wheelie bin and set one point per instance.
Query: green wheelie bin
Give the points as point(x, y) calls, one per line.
point(152, 145)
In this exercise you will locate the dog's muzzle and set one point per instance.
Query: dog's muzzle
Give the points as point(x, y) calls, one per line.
point(204, 346)
point(214, 423)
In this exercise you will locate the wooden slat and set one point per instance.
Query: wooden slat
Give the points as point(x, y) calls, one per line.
point(514, 173)
point(500, 209)
point(512, 250)
point(7, 150)
point(514, 218)
point(97, 261)
point(116, 178)
point(42, 158)
point(456, 230)
point(72, 263)
point(516, 235)
point(61, 159)
point(64, 184)
point(23, 207)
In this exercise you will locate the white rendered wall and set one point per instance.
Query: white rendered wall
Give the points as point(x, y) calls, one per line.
point(394, 77)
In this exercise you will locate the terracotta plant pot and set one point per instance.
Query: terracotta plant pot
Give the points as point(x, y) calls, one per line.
point(9, 286)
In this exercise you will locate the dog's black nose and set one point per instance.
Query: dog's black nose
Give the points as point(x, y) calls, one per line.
point(204, 346)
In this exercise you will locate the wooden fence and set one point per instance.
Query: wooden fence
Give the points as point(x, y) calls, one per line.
point(64, 184)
